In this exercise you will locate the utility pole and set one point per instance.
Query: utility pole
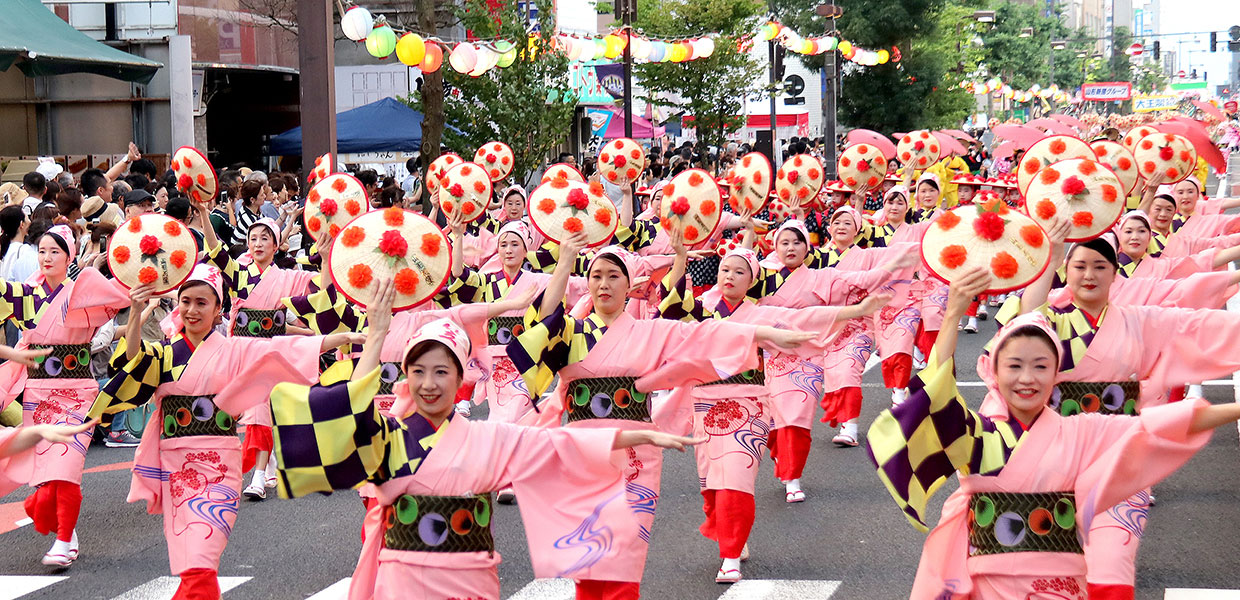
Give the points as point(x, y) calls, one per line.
point(316, 63)
point(829, 111)
point(627, 8)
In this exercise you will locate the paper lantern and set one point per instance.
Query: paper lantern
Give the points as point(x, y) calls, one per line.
point(600, 50)
point(410, 49)
point(768, 32)
point(679, 52)
point(690, 49)
point(357, 23)
point(827, 44)
point(508, 54)
point(613, 46)
point(845, 47)
point(463, 58)
point(658, 51)
point(381, 42)
point(883, 57)
point(433, 59)
point(808, 47)
point(640, 48)
point(486, 60)
point(706, 47)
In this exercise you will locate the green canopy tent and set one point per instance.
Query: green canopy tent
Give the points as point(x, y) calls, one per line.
point(41, 43)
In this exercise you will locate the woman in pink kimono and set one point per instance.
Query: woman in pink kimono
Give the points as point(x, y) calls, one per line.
point(255, 291)
point(1128, 362)
point(429, 536)
point(608, 363)
point(734, 414)
point(793, 279)
point(1031, 480)
point(60, 315)
point(188, 466)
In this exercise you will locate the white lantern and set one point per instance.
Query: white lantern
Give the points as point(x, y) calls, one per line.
point(357, 23)
point(706, 46)
point(486, 61)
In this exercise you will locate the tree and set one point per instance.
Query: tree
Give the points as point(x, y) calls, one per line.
point(711, 89)
point(527, 105)
point(1020, 57)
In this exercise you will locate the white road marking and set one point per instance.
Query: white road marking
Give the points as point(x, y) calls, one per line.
point(335, 591)
point(162, 588)
point(547, 589)
point(779, 589)
point(16, 586)
point(24, 522)
point(1200, 594)
point(873, 360)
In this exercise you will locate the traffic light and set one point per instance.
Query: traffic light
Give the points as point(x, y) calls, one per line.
point(1157, 50)
point(1213, 41)
point(779, 61)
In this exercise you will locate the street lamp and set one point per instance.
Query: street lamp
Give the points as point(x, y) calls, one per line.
point(1026, 32)
point(1055, 45)
point(984, 16)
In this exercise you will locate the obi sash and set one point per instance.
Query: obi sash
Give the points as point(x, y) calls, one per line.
point(501, 330)
point(389, 374)
point(607, 398)
point(1104, 397)
point(439, 524)
point(1002, 522)
point(67, 361)
point(186, 416)
point(253, 322)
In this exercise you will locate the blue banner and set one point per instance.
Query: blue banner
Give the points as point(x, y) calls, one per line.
point(599, 121)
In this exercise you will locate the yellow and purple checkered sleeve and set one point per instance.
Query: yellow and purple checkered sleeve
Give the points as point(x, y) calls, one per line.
point(135, 381)
point(679, 302)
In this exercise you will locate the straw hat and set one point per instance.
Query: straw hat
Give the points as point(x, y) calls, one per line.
point(799, 179)
point(918, 149)
point(1082, 190)
point(1050, 149)
point(1135, 135)
point(332, 202)
point(992, 236)
point(570, 172)
point(621, 160)
point(195, 175)
point(1119, 159)
point(438, 167)
point(836, 185)
point(561, 207)
point(750, 180)
point(1171, 154)
point(152, 248)
point(16, 194)
point(322, 168)
point(396, 244)
point(465, 188)
point(691, 204)
point(970, 179)
point(862, 165)
point(496, 158)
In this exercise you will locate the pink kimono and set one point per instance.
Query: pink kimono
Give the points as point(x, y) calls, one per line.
point(16, 468)
point(188, 466)
point(1132, 344)
point(661, 354)
point(915, 310)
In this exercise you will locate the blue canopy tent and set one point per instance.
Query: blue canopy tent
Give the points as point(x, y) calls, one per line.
point(384, 126)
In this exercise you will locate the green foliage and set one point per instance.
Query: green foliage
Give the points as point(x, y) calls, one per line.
point(711, 89)
point(510, 104)
point(1021, 61)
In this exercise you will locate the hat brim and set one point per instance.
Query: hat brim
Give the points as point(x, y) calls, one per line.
point(1113, 154)
point(704, 200)
point(313, 217)
point(1045, 152)
point(432, 271)
point(204, 184)
point(570, 172)
point(497, 170)
point(633, 166)
point(851, 175)
point(1104, 214)
point(809, 180)
point(126, 243)
point(1135, 135)
point(909, 155)
point(1175, 169)
point(322, 168)
point(759, 167)
point(1030, 261)
point(469, 176)
point(553, 223)
point(438, 167)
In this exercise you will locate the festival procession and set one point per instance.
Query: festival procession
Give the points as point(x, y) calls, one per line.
point(926, 350)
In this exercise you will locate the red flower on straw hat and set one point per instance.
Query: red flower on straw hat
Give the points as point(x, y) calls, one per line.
point(394, 217)
point(456, 190)
point(184, 182)
point(680, 206)
point(1166, 153)
point(620, 161)
point(1072, 186)
point(178, 258)
point(578, 199)
point(121, 254)
point(149, 245)
point(430, 244)
point(406, 282)
point(988, 226)
point(328, 207)
point(393, 244)
point(147, 275)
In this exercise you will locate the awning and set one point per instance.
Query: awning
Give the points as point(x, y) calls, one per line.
point(41, 43)
point(386, 125)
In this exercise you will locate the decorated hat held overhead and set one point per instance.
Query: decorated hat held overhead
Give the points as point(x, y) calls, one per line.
point(568, 171)
point(691, 205)
point(465, 189)
point(799, 179)
point(152, 249)
point(1047, 151)
point(1120, 160)
point(862, 165)
point(332, 202)
point(1008, 244)
point(621, 160)
point(918, 149)
point(1167, 153)
point(1083, 191)
point(435, 171)
point(195, 175)
point(322, 168)
point(750, 183)
point(496, 158)
point(561, 208)
point(1135, 135)
point(396, 244)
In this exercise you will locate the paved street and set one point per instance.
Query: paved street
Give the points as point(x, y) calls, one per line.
point(848, 541)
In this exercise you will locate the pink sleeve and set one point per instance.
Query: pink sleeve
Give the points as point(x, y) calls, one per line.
point(95, 300)
point(836, 287)
point(1203, 290)
point(821, 320)
point(254, 366)
point(673, 413)
point(1185, 345)
point(695, 352)
point(1124, 455)
point(16, 469)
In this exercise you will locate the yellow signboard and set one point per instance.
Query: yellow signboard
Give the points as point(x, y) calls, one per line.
point(1142, 103)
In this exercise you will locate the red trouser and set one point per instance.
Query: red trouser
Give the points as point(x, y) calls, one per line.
point(198, 584)
point(257, 439)
point(1098, 591)
point(789, 449)
point(593, 589)
point(841, 406)
point(1178, 393)
point(729, 519)
point(925, 340)
point(896, 370)
point(55, 506)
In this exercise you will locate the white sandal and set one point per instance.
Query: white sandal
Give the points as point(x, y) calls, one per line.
point(844, 440)
point(729, 576)
point(794, 496)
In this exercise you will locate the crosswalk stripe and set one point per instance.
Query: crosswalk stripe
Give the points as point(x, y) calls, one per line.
point(778, 589)
point(335, 591)
point(162, 588)
point(547, 589)
point(16, 586)
point(1200, 594)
